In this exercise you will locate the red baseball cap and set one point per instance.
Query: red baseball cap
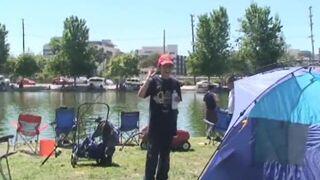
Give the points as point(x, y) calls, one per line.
point(165, 59)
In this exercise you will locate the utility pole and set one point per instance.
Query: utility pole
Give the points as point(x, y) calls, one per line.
point(192, 31)
point(311, 31)
point(164, 41)
point(23, 47)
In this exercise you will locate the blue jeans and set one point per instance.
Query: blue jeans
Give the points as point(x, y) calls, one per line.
point(158, 158)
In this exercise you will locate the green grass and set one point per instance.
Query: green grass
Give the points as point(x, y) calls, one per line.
point(131, 160)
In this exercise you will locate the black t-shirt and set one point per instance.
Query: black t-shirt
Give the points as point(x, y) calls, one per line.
point(163, 119)
point(209, 100)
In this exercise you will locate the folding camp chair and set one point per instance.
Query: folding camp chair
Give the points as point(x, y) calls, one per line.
point(129, 128)
point(65, 123)
point(5, 155)
point(28, 129)
point(215, 131)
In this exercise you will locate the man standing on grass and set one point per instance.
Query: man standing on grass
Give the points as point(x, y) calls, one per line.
point(165, 94)
point(210, 99)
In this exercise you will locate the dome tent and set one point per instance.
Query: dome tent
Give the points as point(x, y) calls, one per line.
point(275, 129)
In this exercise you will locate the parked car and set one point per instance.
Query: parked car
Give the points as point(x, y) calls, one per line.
point(109, 82)
point(61, 81)
point(26, 81)
point(202, 86)
point(96, 82)
point(4, 81)
point(82, 80)
point(132, 84)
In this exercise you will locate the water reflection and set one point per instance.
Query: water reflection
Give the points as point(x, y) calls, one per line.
point(191, 110)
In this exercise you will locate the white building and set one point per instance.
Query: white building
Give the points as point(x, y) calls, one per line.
point(47, 50)
point(149, 50)
point(109, 50)
point(106, 44)
point(172, 49)
point(293, 52)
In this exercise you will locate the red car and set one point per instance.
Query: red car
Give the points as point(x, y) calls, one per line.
point(61, 81)
point(26, 81)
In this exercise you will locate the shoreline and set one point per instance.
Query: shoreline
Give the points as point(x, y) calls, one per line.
point(78, 88)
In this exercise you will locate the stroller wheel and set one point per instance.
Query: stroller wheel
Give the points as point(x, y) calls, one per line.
point(143, 145)
point(74, 160)
point(186, 146)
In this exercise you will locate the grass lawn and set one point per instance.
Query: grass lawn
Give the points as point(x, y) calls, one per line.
point(131, 160)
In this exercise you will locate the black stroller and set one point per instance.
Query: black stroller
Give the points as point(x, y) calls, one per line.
point(99, 144)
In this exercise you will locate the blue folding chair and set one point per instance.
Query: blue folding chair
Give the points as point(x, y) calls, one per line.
point(216, 131)
point(65, 124)
point(129, 128)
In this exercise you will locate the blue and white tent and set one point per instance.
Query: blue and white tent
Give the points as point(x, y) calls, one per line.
point(275, 129)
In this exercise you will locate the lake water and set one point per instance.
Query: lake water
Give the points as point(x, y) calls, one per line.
point(191, 109)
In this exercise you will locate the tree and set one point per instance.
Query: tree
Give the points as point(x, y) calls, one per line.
point(193, 65)
point(100, 58)
point(26, 65)
point(98, 55)
point(147, 61)
point(123, 66)
point(4, 46)
point(262, 42)
point(9, 66)
point(55, 45)
point(75, 47)
point(237, 65)
point(57, 66)
point(43, 64)
point(211, 46)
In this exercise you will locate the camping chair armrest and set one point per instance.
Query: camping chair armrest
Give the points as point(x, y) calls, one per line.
point(5, 138)
point(208, 122)
point(53, 123)
point(8, 154)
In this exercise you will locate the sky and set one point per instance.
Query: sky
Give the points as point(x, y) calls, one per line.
point(132, 24)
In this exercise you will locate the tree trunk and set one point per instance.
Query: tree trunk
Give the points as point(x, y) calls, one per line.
point(75, 81)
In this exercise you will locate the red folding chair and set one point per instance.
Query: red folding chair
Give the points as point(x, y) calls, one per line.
point(28, 129)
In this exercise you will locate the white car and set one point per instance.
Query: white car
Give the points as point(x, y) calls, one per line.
point(4, 81)
point(96, 82)
point(202, 86)
point(81, 80)
point(109, 82)
point(132, 84)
